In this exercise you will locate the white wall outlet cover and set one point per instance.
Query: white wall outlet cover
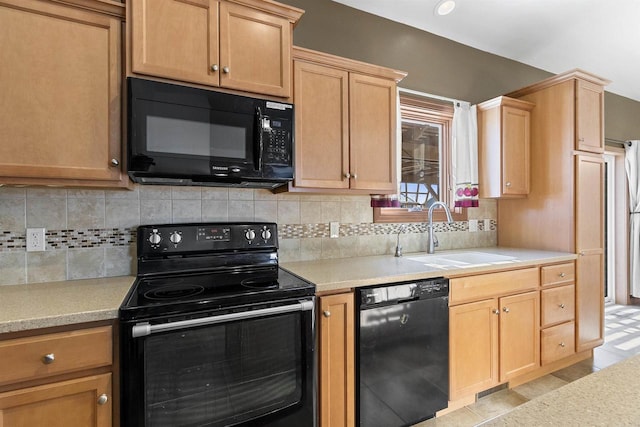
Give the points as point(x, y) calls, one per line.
point(334, 230)
point(473, 225)
point(35, 239)
point(487, 225)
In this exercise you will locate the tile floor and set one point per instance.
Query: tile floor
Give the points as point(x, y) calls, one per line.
point(622, 340)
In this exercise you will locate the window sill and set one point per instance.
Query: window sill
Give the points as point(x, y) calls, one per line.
point(391, 215)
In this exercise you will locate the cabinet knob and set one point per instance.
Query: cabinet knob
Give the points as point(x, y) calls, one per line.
point(581, 253)
point(563, 274)
point(102, 399)
point(347, 175)
point(562, 344)
point(581, 139)
point(506, 309)
point(496, 311)
point(214, 67)
point(326, 313)
point(354, 176)
point(561, 305)
point(225, 70)
point(508, 184)
point(48, 358)
point(114, 162)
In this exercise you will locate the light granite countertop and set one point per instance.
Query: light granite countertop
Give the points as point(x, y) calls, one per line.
point(42, 305)
point(609, 397)
point(345, 273)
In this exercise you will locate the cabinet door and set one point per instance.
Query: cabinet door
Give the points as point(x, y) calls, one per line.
point(589, 117)
point(255, 50)
point(321, 96)
point(75, 403)
point(590, 249)
point(473, 347)
point(176, 39)
point(372, 116)
point(519, 334)
point(515, 151)
point(336, 354)
point(60, 83)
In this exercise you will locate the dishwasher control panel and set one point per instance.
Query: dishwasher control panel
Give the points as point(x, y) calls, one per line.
point(403, 292)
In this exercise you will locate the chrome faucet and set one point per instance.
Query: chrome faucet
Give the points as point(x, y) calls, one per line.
point(432, 241)
point(398, 246)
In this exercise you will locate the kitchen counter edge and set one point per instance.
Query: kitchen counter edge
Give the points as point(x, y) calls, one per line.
point(333, 275)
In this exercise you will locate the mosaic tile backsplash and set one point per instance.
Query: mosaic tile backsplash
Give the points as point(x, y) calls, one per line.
point(91, 233)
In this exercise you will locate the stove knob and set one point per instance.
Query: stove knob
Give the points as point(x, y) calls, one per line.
point(266, 234)
point(155, 238)
point(250, 234)
point(175, 237)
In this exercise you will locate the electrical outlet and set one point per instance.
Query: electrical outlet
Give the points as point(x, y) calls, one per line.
point(473, 225)
point(35, 239)
point(487, 225)
point(334, 230)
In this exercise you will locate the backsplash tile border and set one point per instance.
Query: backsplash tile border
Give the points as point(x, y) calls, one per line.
point(118, 237)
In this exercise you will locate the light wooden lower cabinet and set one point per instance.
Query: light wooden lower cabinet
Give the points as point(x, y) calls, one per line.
point(492, 341)
point(82, 402)
point(336, 329)
point(57, 379)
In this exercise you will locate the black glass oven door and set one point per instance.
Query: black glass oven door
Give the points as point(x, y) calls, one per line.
point(256, 371)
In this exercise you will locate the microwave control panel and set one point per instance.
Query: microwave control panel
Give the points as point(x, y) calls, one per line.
point(277, 141)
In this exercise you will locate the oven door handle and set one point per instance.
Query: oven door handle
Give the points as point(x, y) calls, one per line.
point(144, 329)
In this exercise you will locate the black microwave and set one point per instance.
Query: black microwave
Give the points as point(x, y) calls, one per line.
point(180, 135)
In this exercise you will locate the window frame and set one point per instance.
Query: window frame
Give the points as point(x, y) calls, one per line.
point(423, 109)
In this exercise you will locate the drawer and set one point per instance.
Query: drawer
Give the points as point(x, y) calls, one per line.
point(26, 358)
point(558, 305)
point(482, 286)
point(557, 342)
point(558, 274)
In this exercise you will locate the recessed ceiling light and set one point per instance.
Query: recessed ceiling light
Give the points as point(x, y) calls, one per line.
point(445, 7)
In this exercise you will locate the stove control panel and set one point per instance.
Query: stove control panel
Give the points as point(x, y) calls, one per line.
point(205, 237)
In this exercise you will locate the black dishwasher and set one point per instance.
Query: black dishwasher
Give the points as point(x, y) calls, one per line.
point(402, 352)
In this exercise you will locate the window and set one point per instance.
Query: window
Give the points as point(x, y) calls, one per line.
point(425, 161)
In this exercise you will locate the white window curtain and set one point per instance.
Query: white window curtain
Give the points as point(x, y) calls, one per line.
point(464, 155)
point(632, 161)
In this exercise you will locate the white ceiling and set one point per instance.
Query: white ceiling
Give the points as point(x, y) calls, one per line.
point(599, 36)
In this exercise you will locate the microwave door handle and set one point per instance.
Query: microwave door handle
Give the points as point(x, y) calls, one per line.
point(257, 162)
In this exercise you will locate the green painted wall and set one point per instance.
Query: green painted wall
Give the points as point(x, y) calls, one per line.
point(435, 65)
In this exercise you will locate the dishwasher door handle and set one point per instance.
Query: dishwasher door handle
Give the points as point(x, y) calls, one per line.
point(144, 329)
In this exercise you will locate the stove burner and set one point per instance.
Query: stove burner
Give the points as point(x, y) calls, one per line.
point(259, 284)
point(173, 292)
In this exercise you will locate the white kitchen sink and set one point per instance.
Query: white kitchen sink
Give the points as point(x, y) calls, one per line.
point(462, 259)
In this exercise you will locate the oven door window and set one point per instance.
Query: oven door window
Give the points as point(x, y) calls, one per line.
point(192, 131)
point(224, 374)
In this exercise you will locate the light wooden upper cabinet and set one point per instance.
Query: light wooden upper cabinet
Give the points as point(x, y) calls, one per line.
point(345, 124)
point(61, 94)
point(503, 147)
point(243, 45)
point(322, 125)
point(589, 117)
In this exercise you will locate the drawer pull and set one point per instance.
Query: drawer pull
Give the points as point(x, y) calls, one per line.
point(563, 274)
point(561, 305)
point(48, 358)
point(103, 399)
point(562, 344)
